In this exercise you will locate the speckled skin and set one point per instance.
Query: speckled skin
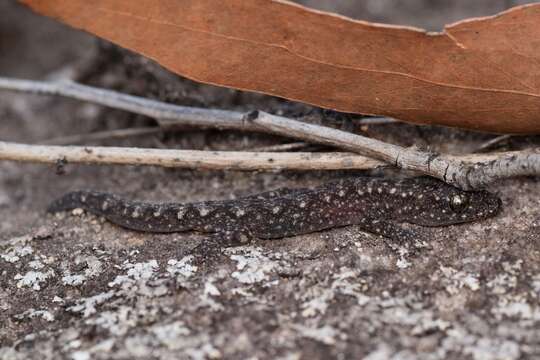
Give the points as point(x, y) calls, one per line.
point(376, 205)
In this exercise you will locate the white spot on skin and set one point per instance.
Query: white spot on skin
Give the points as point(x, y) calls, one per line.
point(136, 212)
point(457, 200)
point(240, 213)
point(203, 211)
point(180, 215)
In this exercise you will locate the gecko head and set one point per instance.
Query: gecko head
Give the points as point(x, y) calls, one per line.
point(435, 203)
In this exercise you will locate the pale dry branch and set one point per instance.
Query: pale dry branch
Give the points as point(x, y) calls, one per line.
point(216, 160)
point(466, 172)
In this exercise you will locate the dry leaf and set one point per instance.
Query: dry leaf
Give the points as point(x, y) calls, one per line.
point(481, 74)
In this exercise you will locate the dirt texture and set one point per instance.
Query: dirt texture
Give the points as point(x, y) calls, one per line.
point(74, 286)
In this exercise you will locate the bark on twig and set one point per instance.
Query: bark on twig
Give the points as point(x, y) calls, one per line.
point(194, 159)
point(465, 172)
point(167, 115)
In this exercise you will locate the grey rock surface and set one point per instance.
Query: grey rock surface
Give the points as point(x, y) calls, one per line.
point(76, 287)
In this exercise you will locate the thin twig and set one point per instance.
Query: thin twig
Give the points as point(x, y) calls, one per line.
point(467, 174)
point(282, 147)
point(488, 144)
point(103, 135)
point(194, 159)
point(168, 115)
point(376, 121)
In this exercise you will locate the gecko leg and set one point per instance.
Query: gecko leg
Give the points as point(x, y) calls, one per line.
point(395, 236)
point(216, 241)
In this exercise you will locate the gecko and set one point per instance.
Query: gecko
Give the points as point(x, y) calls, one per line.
point(377, 205)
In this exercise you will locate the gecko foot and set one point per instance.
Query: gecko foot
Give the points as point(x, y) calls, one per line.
point(212, 246)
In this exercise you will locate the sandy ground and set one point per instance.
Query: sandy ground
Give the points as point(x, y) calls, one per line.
point(74, 286)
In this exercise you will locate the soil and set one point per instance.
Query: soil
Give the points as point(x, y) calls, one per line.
point(77, 287)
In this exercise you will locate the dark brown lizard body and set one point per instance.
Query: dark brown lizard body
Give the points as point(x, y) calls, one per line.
point(374, 204)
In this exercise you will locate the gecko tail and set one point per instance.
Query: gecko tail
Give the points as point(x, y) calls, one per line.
point(74, 200)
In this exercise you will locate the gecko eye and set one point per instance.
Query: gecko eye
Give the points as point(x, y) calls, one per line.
point(458, 203)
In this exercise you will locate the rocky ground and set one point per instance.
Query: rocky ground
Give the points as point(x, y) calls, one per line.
point(74, 286)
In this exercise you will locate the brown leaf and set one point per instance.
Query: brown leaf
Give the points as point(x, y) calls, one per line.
point(481, 74)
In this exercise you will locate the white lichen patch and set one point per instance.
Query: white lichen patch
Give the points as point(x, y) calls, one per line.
point(170, 335)
point(120, 320)
point(135, 272)
point(36, 264)
point(33, 279)
point(403, 263)
point(346, 282)
point(428, 325)
point(349, 283)
point(182, 267)
point(318, 304)
point(517, 309)
point(81, 355)
point(326, 334)
point(87, 306)
point(493, 349)
point(203, 352)
point(33, 314)
point(16, 253)
point(210, 289)
point(382, 352)
point(73, 280)
point(252, 266)
point(94, 266)
point(502, 283)
point(142, 279)
point(535, 283)
point(456, 280)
